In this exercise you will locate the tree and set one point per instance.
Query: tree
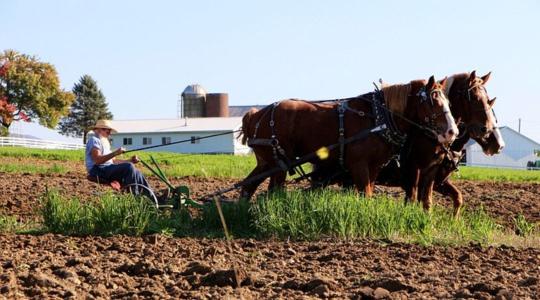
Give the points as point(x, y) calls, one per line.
point(30, 89)
point(89, 106)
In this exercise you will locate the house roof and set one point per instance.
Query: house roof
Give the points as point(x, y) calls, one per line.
point(520, 134)
point(506, 128)
point(241, 110)
point(177, 125)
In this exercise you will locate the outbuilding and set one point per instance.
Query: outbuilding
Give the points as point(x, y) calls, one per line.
point(134, 134)
point(518, 152)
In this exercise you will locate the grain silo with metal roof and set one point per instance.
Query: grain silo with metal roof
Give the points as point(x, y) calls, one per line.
point(192, 102)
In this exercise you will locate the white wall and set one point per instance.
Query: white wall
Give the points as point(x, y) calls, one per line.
point(475, 157)
point(228, 143)
point(518, 151)
point(219, 144)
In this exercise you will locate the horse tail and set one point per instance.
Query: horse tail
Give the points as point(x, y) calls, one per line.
point(246, 120)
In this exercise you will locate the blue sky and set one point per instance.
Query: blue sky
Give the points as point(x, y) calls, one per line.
point(143, 53)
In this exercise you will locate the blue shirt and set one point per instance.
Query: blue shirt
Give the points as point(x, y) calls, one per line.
point(95, 142)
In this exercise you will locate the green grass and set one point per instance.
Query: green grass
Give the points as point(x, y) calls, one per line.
point(110, 215)
point(220, 165)
point(8, 224)
point(173, 164)
point(523, 227)
point(203, 165)
point(312, 215)
point(54, 168)
point(493, 174)
point(47, 154)
point(295, 215)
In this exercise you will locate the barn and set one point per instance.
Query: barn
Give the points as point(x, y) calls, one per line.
point(200, 114)
point(143, 133)
point(519, 150)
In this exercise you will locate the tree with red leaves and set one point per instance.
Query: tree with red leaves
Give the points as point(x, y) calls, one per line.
point(30, 89)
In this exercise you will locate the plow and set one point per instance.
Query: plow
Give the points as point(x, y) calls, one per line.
point(177, 196)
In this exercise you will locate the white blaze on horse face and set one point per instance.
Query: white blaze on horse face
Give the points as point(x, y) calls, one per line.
point(497, 132)
point(451, 129)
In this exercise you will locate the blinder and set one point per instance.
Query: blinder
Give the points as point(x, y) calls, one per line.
point(424, 97)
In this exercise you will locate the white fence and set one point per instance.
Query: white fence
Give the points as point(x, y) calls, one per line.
point(37, 143)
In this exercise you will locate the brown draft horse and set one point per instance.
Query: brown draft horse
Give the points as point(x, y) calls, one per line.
point(425, 165)
point(473, 110)
point(289, 129)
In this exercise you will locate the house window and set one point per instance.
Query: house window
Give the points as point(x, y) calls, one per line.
point(147, 141)
point(128, 141)
point(165, 140)
point(195, 140)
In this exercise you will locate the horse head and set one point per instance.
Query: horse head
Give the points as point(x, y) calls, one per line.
point(433, 110)
point(471, 104)
point(473, 108)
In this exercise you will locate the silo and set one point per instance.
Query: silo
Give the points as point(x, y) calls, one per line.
point(217, 105)
point(193, 102)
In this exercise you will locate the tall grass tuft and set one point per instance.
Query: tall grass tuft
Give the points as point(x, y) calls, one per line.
point(8, 224)
point(326, 213)
point(522, 227)
point(297, 215)
point(112, 214)
point(124, 214)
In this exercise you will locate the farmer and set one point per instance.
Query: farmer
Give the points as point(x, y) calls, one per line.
point(101, 162)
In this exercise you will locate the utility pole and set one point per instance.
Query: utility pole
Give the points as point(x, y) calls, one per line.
point(519, 125)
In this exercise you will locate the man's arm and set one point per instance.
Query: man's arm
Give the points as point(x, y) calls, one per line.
point(134, 159)
point(98, 158)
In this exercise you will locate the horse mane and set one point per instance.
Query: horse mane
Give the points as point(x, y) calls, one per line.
point(460, 77)
point(396, 95)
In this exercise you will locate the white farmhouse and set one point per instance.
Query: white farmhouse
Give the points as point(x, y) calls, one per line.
point(133, 134)
point(518, 151)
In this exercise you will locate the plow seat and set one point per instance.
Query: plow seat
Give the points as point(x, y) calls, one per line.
point(115, 185)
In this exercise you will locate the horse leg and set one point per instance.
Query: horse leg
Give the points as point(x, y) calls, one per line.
point(360, 177)
point(277, 181)
point(249, 189)
point(410, 180)
point(448, 189)
point(426, 194)
point(426, 187)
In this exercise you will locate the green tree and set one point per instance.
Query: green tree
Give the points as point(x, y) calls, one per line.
point(88, 107)
point(30, 89)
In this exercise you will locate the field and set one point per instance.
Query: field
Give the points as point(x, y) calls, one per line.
point(66, 237)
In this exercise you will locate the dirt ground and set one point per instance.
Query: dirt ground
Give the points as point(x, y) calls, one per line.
point(157, 267)
point(19, 193)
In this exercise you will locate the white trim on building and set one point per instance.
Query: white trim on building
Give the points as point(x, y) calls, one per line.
point(143, 133)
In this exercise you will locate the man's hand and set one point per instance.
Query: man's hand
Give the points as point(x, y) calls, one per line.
point(135, 159)
point(119, 151)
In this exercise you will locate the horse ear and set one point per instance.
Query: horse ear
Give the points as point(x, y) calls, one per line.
point(431, 82)
point(443, 82)
point(485, 78)
point(492, 102)
point(472, 76)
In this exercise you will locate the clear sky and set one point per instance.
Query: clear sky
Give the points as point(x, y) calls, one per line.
point(144, 53)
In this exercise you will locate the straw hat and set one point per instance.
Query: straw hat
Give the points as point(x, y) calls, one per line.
point(104, 124)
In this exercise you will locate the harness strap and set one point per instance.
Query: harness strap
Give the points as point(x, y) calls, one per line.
point(260, 142)
point(341, 131)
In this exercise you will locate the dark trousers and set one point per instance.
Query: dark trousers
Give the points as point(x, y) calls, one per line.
point(125, 173)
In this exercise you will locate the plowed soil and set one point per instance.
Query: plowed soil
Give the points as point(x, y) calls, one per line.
point(157, 267)
point(19, 193)
point(160, 268)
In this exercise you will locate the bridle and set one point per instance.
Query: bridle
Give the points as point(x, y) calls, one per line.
point(424, 97)
point(470, 112)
